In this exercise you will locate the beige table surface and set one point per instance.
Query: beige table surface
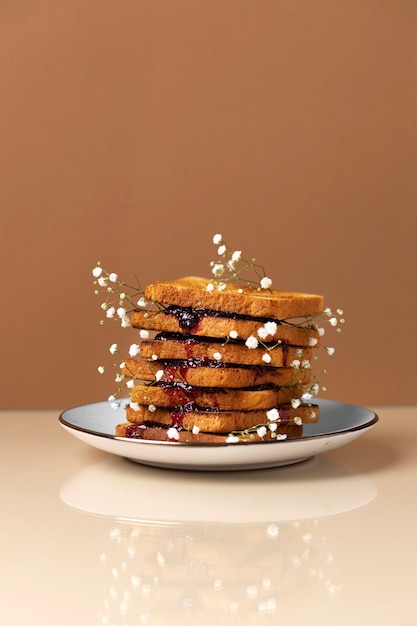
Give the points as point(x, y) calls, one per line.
point(332, 540)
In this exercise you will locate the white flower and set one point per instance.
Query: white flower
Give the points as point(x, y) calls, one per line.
point(236, 256)
point(217, 356)
point(306, 397)
point(221, 287)
point(266, 358)
point(111, 398)
point(221, 250)
point(272, 427)
point(159, 374)
point(196, 430)
point(173, 433)
point(306, 364)
point(295, 364)
point(266, 282)
point(251, 342)
point(154, 357)
point(261, 431)
point(144, 334)
point(210, 287)
point(327, 312)
point(333, 321)
point(110, 312)
point(152, 408)
point(113, 277)
point(262, 332)
point(134, 406)
point(321, 331)
point(281, 436)
point(330, 351)
point(102, 281)
point(113, 348)
point(295, 403)
point(233, 334)
point(97, 271)
point(119, 377)
point(142, 302)
point(125, 323)
point(134, 349)
point(232, 439)
point(121, 312)
point(314, 389)
point(272, 415)
point(101, 369)
point(271, 328)
point(130, 384)
point(312, 341)
point(217, 239)
point(218, 269)
point(115, 405)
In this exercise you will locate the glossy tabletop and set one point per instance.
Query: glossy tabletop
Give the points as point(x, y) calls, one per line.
point(89, 538)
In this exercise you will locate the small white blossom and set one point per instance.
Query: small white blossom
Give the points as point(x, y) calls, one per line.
point(121, 312)
point(327, 312)
point(312, 341)
point(236, 256)
point(218, 269)
point(321, 331)
point(97, 271)
point(134, 349)
point(233, 334)
point(102, 281)
point(154, 357)
point(266, 358)
point(113, 277)
point(295, 403)
point(217, 356)
point(101, 369)
point(118, 378)
point(266, 282)
point(144, 334)
point(306, 397)
point(330, 351)
point(159, 374)
point(281, 436)
point(196, 430)
point(306, 364)
point(315, 389)
point(217, 239)
point(272, 415)
point(125, 322)
point(232, 439)
point(130, 384)
point(134, 406)
point(261, 431)
point(221, 287)
point(210, 287)
point(122, 365)
point(240, 290)
point(113, 348)
point(114, 405)
point(173, 433)
point(295, 363)
point(152, 408)
point(333, 321)
point(251, 342)
point(272, 426)
point(271, 327)
point(312, 414)
point(142, 302)
point(221, 250)
point(111, 398)
point(262, 332)
point(110, 312)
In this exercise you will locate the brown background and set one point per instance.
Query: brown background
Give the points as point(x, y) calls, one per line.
point(133, 130)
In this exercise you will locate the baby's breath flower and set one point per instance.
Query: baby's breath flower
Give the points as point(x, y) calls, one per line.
point(321, 331)
point(125, 322)
point(173, 433)
point(262, 332)
point(306, 397)
point(217, 239)
point(218, 269)
point(330, 350)
point(110, 312)
point(154, 357)
point(295, 363)
point(272, 426)
point(130, 384)
point(134, 349)
point(134, 405)
point(196, 430)
point(111, 398)
point(236, 256)
point(295, 403)
point(102, 281)
point(281, 436)
point(113, 277)
point(210, 287)
point(113, 348)
point(271, 327)
point(144, 334)
point(221, 287)
point(261, 431)
point(312, 341)
point(121, 312)
point(305, 364)
point(217, 356)
point(221, 251)
point(266, 282)
point(119, 377)
point(251, 342)
point(233, 334)
point(142, 302)
point(101, 369)
point(298, 421)
point(266, 358)
point(327, 312)
point(152, 408)
point(97, 271)
point(232, 439)
point(333, 321)
point(159, 374)
point(273, 415)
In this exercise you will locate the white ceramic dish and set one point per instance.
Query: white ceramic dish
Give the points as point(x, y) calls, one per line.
point(339, 424)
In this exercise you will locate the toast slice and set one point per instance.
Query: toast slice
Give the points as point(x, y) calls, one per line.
point(210, 325)
point(214, 374)
point(176, 395)
point(191, 291)
point(186, 347)
point(156, 433)
point(213, 421)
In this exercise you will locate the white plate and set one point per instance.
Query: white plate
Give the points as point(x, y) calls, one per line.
point(338, 425)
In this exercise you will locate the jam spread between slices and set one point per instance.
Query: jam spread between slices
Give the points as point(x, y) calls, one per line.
point(189, 318)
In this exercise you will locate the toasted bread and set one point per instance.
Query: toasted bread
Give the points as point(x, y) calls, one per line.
point(221, 327)
point(155, 433)
point(191, 291)
point(213, 421)
point(175, 395)
point(215, 374)
point(238, 353)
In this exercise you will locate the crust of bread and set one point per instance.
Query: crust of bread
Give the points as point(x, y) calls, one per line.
point(233, 377)
point(223, 399)
point(139, 431)
point(220, 327)
point(218, 421)
point(191, 291)
point(280, 356)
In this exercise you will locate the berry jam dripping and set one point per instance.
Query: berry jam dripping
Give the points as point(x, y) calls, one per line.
point(189, 318)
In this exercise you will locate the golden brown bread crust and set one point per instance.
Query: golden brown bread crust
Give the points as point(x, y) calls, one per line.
point(138, 431)
point(219, 421)
point(220, 327)
point(203, 376)
point(191, 291)
point(280, 356)
point(224, 399)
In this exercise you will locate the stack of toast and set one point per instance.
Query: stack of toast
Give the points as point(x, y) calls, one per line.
point(221, 365)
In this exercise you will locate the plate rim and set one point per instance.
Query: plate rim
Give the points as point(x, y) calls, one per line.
point(373, 419)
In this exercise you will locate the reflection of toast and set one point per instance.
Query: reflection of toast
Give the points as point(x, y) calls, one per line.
point(225, 399)
point(212, 374)
point(215, 421)
point(208, 325)
point(186, 347)
point(191, 291)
